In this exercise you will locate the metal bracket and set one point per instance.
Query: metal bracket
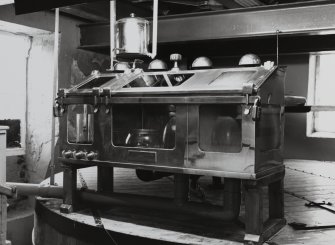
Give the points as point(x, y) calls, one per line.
point(252, 238)
point(66, 208)
point(256, 110)
point(248, 88)
point(59, 107)
point(96, 93)
point(107, 94)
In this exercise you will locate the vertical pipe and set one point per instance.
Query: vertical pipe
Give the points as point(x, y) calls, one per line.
point(154, 29)
point(112, 31)
point(181, 188)
point(277, 46)
point(54, 90)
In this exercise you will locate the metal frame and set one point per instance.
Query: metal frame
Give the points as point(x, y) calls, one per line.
point(250, 163)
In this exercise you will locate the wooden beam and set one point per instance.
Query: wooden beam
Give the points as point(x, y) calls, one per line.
point(92, 12)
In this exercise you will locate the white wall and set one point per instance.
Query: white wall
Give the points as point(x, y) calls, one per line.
point(39, 106)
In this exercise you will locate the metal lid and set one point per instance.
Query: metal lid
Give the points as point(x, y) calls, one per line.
point(121, 66)
point(202, 62)
point(133, 18)
point(157, 65)
point(249, 59)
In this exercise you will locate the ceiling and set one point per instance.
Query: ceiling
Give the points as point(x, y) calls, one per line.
point(99, 11)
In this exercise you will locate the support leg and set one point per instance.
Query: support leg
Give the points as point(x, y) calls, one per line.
point(70, 188)
point(181, 188)
point(276, 200)
point(105, 179)
point(253, 213)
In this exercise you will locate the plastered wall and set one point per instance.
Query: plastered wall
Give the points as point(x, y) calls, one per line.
point(74, 65)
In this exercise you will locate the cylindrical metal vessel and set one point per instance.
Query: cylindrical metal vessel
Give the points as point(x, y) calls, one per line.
point(132, 36)
point(144, 138)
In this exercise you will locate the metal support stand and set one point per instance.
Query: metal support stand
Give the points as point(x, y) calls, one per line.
point(69, 188)
point(256, 230)
point(105, 179)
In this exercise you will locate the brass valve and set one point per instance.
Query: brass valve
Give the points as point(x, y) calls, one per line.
point(91, 156)
point(80, 155)
point(68, 154)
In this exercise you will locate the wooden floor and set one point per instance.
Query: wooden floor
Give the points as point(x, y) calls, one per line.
point(304, 180)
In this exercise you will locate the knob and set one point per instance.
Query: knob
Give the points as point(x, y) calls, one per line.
point(67, 154)
point(80, 155)
point(175, 58)
point(92, 156)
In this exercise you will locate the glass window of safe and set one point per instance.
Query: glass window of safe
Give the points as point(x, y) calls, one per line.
point(144, 126)
point(320, 92)
point(220, 128)
point(80, 124)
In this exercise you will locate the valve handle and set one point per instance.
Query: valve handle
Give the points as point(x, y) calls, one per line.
point(176, 58)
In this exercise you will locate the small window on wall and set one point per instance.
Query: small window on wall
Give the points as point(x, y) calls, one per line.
point(321, 89)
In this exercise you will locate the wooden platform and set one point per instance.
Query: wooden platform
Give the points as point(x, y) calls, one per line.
point(305, 180)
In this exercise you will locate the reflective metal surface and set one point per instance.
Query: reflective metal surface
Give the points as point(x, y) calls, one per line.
point(249, 59)
point(132, 36)
point(202, 62)
point(224, 122)
point(157, 65)
point(121, 66)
